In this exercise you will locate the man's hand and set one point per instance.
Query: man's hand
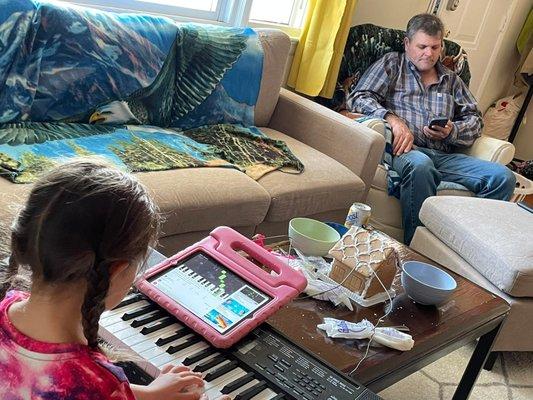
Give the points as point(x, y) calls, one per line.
point(351, 115)
point(403, 138)
point(438, 133)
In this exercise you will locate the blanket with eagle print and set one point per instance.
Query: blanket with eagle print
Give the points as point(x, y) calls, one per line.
point(143, 91)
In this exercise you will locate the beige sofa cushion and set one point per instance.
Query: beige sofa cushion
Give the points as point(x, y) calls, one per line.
point(325, 184)
point(493, 236)
point(515, 334)
point(12, 198)
point(196, 199)
point(276, 46)
point(190, 199)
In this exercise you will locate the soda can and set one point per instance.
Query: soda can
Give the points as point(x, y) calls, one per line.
point(358, 215)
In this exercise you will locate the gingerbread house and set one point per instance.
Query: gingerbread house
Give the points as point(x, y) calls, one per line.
point(364, 262)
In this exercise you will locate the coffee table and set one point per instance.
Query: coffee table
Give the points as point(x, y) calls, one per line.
point(471, 313)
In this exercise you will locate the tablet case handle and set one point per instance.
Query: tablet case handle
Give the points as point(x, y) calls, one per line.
point(231, 241)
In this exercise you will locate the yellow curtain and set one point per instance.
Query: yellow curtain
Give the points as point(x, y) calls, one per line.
point(318, 56)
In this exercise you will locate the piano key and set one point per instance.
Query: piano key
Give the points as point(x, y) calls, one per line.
point(149, 353)
point(118, 326)
point(223, 369)
point(175, 359)
point(159, 314)
point(178, 357)
point(204, 366)
point(106, 315)
point(252, 391)
point(141, 311)
point(162, 360)
point(237, 383)
point(188, 342)
point(183, 331)
point(133, 298)
point(279, 396)
point(193, 358)
point(242, 387)
point(144, 345)
point(213, 388)
point(142, 341)
point(134, 339)
point(167, 321)
point(126, 333)
point(193, 365)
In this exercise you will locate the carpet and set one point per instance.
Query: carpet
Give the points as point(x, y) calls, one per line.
point(510, 379)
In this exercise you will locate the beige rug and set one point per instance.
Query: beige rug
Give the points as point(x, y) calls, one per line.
point(510, 379)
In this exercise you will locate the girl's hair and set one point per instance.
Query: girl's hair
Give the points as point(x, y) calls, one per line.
point(80, 218)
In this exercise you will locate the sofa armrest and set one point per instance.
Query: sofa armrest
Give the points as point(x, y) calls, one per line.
point(376, 124)
point(355, 146)
point(491, 149)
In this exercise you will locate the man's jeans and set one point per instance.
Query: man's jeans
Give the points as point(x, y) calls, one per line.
point(422, 170)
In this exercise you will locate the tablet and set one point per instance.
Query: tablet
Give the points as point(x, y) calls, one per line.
point(223, 286)
point(210, 291)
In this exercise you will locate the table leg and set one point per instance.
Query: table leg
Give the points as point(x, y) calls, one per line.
point(491, 359)
point(475, 364)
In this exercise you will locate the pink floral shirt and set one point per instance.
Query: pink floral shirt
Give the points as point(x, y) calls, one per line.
point(30, 369)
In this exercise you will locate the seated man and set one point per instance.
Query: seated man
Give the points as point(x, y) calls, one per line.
point(409, 90)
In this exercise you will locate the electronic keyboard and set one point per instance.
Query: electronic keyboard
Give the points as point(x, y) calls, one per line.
point(262, 366)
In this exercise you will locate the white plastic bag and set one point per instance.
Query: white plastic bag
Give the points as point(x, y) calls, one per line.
point(500, 117)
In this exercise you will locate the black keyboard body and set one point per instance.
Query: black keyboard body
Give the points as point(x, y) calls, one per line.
point(289, 371)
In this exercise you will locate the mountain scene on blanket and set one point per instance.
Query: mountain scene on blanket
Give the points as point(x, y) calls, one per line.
point(76, 81)
point(148, 148)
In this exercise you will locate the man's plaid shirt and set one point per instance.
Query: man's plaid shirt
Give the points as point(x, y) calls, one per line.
point(393, 84)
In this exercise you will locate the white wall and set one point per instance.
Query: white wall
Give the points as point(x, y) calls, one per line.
point(524, 138)
point(388, 13)
point(507, 56)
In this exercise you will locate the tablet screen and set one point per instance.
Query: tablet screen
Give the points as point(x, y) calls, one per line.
point(211, 291)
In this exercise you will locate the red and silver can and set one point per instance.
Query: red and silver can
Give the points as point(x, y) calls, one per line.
point(358, 215)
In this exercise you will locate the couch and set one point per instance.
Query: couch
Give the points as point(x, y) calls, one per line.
point(339, 157)
point(365, 45)
point(489, 243)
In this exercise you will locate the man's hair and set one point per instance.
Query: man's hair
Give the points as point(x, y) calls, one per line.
point(428, 23)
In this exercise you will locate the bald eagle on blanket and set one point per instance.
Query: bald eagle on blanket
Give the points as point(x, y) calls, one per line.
point(199, 58)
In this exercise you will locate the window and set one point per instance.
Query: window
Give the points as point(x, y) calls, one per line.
point(287, 15)
point(196, 9)
point(283, 12)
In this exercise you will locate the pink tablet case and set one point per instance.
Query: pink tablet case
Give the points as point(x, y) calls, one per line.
point(223, 244)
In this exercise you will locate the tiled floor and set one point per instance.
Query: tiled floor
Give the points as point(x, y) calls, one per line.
point(510, 379)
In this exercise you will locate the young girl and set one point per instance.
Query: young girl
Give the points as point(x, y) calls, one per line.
point(83, 233)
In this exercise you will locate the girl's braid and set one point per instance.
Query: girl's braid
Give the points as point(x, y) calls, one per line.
point(94, 302)
point(8, 271)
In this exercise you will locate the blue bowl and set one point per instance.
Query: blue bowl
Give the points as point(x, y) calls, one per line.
point(338, 227)
point(426, 284)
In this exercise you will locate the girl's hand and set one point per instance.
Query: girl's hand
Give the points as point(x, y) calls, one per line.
point(174, 383)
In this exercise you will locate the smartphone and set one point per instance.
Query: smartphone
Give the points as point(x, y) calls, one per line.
point(441, 121)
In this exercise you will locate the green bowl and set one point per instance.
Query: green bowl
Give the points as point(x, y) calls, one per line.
point(312, 237)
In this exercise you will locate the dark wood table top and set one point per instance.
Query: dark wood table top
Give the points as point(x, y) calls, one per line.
point(471, 312)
